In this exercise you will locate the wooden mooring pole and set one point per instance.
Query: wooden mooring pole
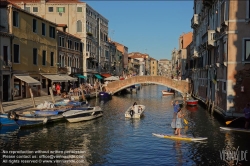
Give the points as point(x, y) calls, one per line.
point(52, 95)
point(32, 97)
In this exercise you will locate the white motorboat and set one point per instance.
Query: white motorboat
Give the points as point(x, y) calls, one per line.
point(135, 111)
point(83, 114)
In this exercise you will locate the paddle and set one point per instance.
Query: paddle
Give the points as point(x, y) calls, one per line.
point(185, 121)
point(230, 121)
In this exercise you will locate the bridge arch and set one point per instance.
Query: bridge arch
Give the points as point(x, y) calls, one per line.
point(178, 85)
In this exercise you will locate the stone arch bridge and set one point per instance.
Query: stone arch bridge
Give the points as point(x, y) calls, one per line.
point(178, 85)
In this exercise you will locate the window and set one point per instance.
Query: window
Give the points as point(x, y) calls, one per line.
point(223, 5)
point(60, 9)
point(81, 46)
point(44, 58)
point(43, 29)
point(224, 86)
point(17, 87)
point(79, 9)
point(35, 9)
point(60, 41)
point(79, 26)
point(76, 46)
point(69, 44)
point(34, 26)
point(43, 83)
point(50, 9)
point(35, 56)
point(63, 42)
point(15, 19)
point(51, 32)
point(5, 54)
point(247, 50)
point(16, 54)
point(52, 59)
point(27, 9)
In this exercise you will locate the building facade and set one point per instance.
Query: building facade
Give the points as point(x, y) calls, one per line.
point(154, 67)
point(164, 67)
point(221, 54)
point(83, 22)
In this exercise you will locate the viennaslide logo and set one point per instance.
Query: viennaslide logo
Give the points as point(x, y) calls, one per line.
point(234, 155)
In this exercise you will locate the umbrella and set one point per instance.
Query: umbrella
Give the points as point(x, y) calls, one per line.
point(112, 78)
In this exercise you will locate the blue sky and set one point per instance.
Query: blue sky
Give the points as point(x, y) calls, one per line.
point(151, 27)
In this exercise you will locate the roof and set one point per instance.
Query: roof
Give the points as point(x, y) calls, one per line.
point(47, 1)
point(69, 34)
point(62, 25)
point(137, 55)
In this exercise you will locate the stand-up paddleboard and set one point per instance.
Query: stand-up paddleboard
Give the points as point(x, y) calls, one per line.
point(235, 129)
point(180, 137)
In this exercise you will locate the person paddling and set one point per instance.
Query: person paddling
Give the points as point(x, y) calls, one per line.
point(176, 108)
point(179, 122)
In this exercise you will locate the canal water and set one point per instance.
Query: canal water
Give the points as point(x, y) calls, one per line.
point(114, 140)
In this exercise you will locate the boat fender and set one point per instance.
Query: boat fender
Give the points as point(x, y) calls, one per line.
point(12, 115)
point(131, 113)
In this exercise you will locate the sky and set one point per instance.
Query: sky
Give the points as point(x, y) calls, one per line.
point(151, 27)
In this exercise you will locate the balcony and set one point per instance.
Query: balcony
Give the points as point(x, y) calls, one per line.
point(73, 70)
point(62, 70)
point(195, 53)
point(195, 21)
point(211, 38)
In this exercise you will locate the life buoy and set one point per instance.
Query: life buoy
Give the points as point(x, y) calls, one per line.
point(131, 113)
point(12, 115)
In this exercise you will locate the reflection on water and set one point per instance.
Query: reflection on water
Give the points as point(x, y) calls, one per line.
point(115, 140)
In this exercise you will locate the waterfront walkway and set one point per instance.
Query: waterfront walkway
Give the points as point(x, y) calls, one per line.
point(27, 102)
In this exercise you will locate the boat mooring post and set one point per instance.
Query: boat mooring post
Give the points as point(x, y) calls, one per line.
point(1, 105)
point(32, 97)
point(52, 95)
point(212, 109)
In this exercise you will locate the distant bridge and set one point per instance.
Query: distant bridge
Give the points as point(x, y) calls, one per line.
point(178, 85)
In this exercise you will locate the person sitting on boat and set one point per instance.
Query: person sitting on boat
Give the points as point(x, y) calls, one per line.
point(179, 122)
point(139, 109)
point(132, 109)
point(247, 115)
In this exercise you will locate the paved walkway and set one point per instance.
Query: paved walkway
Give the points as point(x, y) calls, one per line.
point(27, 102)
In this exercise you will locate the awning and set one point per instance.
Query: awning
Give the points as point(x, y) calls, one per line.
point(55, 77)
point(98, 76)
point(69, 78)
point(80, 76)
point(106, 75)
point(28, 79)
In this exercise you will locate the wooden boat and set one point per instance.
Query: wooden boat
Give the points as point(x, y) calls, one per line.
point(71, 103)
point(184, 138)
point(166, 93)
point(83, 114)
point(192, 102)
point(135, 112)
point(235, 129)
point(5, 121)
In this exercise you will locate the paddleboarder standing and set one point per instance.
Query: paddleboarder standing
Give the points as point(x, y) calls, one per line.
point(179, 122)
point(176, 108)
point(247, 115)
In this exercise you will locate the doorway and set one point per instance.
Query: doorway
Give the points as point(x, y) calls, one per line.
point(6, 87)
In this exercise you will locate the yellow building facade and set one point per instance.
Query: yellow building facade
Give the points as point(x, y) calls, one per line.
point(34, 52)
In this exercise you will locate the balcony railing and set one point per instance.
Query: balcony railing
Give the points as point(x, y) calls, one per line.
point(73, 70)
point(211, 38)
point(195, 21)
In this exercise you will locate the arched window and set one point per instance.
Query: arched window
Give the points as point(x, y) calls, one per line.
point(79, 26)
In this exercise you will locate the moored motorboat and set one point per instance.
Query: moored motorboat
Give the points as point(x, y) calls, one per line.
point(192, 108)
point(135, 111)
point(105, 95)
point(83, 114)
point(192, 102)
point(166, 93)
